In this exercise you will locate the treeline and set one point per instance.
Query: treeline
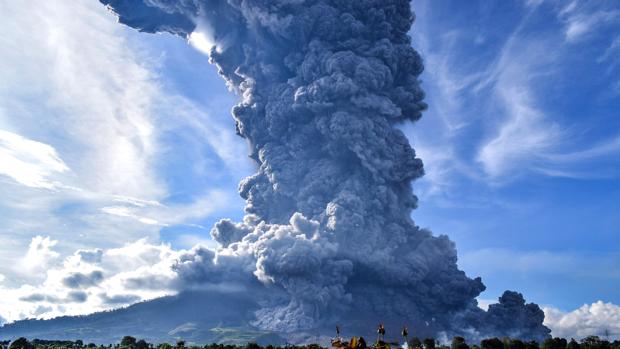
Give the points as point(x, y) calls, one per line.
point(128, 342)
point(591, 342)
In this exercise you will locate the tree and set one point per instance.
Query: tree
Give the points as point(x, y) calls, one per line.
point(554, 343)
point(458, 342)
point(532, 345)
point(142, 344)
point(21, 343)
point(516, 344)
point(429, 343)
point(415, 343)
point(594, 342)
point(573, 344)
point(180, 344)
point(492, 343)
point(128, 342)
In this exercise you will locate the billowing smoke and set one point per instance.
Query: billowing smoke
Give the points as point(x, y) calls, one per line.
point(328, 236)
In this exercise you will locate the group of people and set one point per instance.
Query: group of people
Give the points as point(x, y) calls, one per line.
point(360, 342)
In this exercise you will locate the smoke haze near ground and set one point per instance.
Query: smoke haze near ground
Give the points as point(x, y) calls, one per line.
point(328, 236)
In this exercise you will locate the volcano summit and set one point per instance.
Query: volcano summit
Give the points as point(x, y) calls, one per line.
point(328, 235)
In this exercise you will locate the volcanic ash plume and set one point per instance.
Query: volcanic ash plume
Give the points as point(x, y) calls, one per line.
point(327, 236)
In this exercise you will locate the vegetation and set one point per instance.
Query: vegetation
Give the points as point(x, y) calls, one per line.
point(129, 342)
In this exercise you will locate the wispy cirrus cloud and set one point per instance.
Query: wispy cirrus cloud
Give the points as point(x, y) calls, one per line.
point(490, 117)
point(122, 211)
point(29, 162)
point(155, 213)
point(524, 132)
point(97, 148)
point(79, 105)
point(582, 18)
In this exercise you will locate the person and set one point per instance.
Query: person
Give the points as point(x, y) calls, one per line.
point(381, 331)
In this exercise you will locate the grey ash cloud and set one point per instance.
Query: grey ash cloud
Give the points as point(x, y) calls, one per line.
point(328, 228)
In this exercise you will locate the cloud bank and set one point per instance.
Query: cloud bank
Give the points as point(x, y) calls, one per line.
point(97, 148)
point(89, 280)
point(596, 319)
point(327, 228)
point(98, 279)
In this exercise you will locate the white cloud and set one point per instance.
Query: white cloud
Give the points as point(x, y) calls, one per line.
point(29, 162)
point(217, 134)
point(202, 38)
point(488, 102)
point(597, 319)
point(91, 92)
point(84, 110)
point(154, 213)
point(126, 212)
point(135, 201)
point(580, 24)
point(611, 52)
point(39, 255)
point(450, 116)
point(523, 138)
point(525, 133)
point(484, 303)
point(581, 19)
point(191, 240)
point(569, 8)
point(92, 280)
point(493, 102)
point(77, 97)
point(579, 163)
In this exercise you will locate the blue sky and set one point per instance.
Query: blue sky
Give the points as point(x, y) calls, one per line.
point(522, 143)
point(120, 141)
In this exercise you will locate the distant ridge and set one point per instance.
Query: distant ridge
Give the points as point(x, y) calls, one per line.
point(196, 317)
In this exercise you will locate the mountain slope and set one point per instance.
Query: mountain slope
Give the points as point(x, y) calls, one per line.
point(197, 317)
